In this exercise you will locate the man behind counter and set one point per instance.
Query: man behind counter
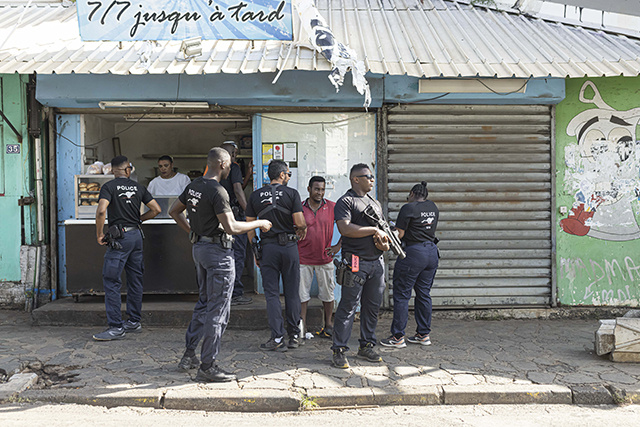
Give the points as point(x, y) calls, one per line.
point(170, 182)
point(121, 198)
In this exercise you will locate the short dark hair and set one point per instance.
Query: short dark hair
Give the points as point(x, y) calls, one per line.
point(358, 167)
point(315, 179)
point(119, 161)
point(276, 167)
point(216, 154)
point(167, 158)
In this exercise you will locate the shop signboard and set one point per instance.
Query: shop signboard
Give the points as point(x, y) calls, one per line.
point(124, 20)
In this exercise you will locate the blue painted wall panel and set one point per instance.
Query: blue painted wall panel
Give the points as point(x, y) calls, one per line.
point(69, 163)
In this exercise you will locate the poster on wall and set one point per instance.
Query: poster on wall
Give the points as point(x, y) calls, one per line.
point(598, 193)
point(287, 151)
point(123, 20)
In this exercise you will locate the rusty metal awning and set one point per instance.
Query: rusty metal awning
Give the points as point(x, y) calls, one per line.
point(428, 38)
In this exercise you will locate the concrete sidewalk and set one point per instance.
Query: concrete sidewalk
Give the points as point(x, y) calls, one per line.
point(470, 362)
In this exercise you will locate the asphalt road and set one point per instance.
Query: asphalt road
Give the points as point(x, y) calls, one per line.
point(26, 414)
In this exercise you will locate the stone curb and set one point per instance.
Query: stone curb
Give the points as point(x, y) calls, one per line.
point(205, 399)
point(592, 395)
point(16, 385)
point(220, 397)
point(506, 394)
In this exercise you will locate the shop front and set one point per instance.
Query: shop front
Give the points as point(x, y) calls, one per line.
point(321, 140)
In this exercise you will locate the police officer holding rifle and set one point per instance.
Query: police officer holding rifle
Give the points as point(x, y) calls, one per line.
point(361, 272)
point(211, 222)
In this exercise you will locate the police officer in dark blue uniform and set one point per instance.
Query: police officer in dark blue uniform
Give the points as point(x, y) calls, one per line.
point(233, 185)
point(210, 225)
point(121, 198)
point(363, 283)
point(282, 206)
point(416, 225)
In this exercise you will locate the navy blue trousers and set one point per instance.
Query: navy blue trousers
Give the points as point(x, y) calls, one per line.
point(215, 273)
point(281, 260)
point(415, 272)
point(369, 296)
point(239, 254)
point(129, 259)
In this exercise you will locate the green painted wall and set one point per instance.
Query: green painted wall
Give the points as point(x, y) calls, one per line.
point(15, 179)
point(598, 181)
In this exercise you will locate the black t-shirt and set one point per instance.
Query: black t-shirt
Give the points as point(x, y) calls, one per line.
point(205, 198)
point(419, 221)
point(124, 196)
point(281, 219)
point(235, 176)
point(350, 207)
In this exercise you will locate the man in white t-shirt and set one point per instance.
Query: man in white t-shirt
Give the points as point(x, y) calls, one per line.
point(170, 182)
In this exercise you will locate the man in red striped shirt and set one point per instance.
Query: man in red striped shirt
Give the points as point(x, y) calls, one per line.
point(316, 253)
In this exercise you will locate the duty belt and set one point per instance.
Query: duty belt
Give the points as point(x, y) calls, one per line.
point(290, 238)
point(207, 239)
point(127, 229)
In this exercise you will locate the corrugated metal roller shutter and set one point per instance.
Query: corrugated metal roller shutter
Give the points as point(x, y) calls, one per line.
point(488, 170)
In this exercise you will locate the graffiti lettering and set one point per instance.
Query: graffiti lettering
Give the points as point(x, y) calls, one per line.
point(631, 267)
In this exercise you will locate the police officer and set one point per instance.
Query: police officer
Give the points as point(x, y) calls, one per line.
point(121, 198)
point(282, 206)
point(416, 225)
point(362, 248)
point(207, 205)
point(233, 184)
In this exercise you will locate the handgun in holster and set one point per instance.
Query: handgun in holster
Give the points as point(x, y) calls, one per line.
point(344, 276)
point(113, 234)
point(256, 248)
point(226, 241)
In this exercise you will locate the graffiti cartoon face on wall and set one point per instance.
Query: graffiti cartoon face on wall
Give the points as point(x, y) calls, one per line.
point(603, 171)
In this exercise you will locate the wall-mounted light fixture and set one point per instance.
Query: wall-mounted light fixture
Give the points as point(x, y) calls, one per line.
point(153, 104)
point(185, 118)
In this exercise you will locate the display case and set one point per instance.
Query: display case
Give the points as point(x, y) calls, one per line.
point(87, 192)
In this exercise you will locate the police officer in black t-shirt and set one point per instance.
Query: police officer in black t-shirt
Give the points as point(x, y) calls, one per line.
point(233, 185)
point(362, 248)
point(282, 206)
point(416, 225)
point(210, 225)
point(121, 198)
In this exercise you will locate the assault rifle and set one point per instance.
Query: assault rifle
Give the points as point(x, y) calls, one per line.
point(375, 220)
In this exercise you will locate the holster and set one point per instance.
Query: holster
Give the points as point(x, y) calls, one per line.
point(115, 232)
point(256, 248)
point(344, 276)
point(226, 241)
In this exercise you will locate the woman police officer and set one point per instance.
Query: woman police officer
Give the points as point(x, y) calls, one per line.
point(416, 225)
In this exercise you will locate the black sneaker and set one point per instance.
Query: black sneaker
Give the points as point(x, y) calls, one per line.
point(272, 345)
point(112, 333)
point(241, 300)
point(214, 375)
point(368, 353)
point(132, 327)
point(188, 362)
point(392, 341)
point(294, 341)
point(339, 359)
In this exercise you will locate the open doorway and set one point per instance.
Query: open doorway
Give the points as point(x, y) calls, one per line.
point(186, 139)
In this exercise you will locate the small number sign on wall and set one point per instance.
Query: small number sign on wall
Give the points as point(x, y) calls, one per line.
point(13, 148)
